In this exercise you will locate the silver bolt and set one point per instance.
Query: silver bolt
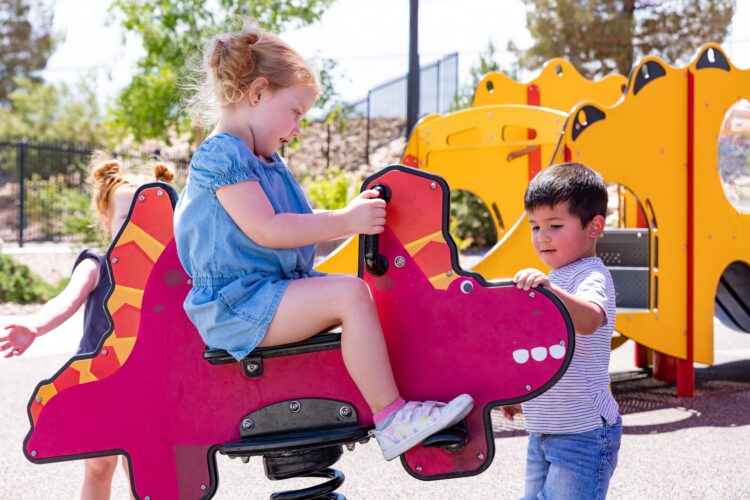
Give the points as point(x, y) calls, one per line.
point(480, 456)
point(433, 186)
point(350, 446)
point(345, 411)
point(38, 399)
point(449, 273)
point(104, 352)
point(562, 343)
point(467, 286)
point(252, 367)
point(141, 198)
point(528, 387)
point(203, 487)
point(147, 497)
point(294, 406)
point(115, 260)
point(419, 468)
point(33, 453)
point(190, 282)
point(532, 294)
point(400, 261)
point(247, 424)
point(245, 459)
point(160, 193)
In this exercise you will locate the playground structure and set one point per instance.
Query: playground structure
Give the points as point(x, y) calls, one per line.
point(494, 148)
point(657, 138)
point(169, 411)
point(681, 245)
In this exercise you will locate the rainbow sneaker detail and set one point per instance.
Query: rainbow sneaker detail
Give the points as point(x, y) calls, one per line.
point(416, 421)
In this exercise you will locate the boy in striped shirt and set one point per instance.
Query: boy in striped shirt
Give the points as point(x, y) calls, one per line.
point(575, 427)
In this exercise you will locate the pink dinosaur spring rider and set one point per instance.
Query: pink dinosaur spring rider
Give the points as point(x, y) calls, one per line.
point(152, 393)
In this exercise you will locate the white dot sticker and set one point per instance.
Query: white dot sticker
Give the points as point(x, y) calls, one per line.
point(539, 353)
point(521, 356)
point(557, 351)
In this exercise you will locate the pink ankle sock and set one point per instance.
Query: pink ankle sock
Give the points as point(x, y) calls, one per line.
point(388, 411)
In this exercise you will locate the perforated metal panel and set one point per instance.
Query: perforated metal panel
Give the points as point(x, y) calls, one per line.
point(631, 287)
point(624, 247)
point(625, 252)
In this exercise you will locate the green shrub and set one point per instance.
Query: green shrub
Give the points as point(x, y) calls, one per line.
point(332, 189)
point(18, 284)
point(471, 223)
point(61, 209)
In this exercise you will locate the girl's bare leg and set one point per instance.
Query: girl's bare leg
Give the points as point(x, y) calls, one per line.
point(313, 304)
point(97, 478)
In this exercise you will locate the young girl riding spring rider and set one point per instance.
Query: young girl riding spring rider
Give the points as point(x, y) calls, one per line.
point(246, 234)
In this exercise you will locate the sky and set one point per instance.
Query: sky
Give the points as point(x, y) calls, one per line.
point(368, 53)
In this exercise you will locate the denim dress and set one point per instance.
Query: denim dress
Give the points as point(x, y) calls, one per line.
point(236, 283)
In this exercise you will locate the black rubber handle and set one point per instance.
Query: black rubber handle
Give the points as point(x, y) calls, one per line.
point(375, 263)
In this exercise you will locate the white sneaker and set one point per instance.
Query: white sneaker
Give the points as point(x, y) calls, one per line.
point(416, 421)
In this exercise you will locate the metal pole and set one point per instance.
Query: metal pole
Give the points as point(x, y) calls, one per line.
point(412, 92)
point(22, 147)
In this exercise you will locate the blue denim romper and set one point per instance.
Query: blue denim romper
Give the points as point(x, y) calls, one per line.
point(237, 284)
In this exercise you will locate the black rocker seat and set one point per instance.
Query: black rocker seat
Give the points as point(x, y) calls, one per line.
point(327, 339)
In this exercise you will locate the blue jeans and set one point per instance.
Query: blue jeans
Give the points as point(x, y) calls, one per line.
point(572, 466)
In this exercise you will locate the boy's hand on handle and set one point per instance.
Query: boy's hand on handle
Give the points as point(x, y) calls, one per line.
point(510, 411)
point(18, 340)
point(530, 278)
point(365, 214)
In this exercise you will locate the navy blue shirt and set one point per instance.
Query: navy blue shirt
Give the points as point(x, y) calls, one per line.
point(95, 321)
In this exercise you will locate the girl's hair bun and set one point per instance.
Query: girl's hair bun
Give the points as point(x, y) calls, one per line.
point(106, 169)
point(162, 172)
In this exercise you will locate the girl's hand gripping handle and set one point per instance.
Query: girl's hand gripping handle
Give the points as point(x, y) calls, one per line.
point(375, 263)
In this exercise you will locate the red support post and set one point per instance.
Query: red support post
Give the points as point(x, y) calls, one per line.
point(685, 370)
point(534, 98)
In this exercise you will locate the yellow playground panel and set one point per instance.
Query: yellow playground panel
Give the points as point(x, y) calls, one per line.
point(559, 86)
point(661, 142)
point(681, 245)
point(500, 137)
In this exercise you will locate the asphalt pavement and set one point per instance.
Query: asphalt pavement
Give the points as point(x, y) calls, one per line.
point(672, 447)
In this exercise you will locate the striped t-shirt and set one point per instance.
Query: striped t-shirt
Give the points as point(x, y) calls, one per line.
point(581, 397)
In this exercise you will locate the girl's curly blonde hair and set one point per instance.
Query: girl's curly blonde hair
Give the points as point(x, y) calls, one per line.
point(232, 61)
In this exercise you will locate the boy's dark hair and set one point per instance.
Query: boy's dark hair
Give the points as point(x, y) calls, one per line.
point(573, 182)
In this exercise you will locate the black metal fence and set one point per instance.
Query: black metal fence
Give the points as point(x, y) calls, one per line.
point(365, 125)
point(41, 185)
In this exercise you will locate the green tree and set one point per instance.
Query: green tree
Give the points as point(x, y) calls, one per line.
point(172, 33)
point(48, 112)
point(602, 36)
point(26, 41)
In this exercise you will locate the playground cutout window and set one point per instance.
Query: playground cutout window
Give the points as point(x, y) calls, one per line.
point(734, 155)
point(472, 226)
point(625, 249)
